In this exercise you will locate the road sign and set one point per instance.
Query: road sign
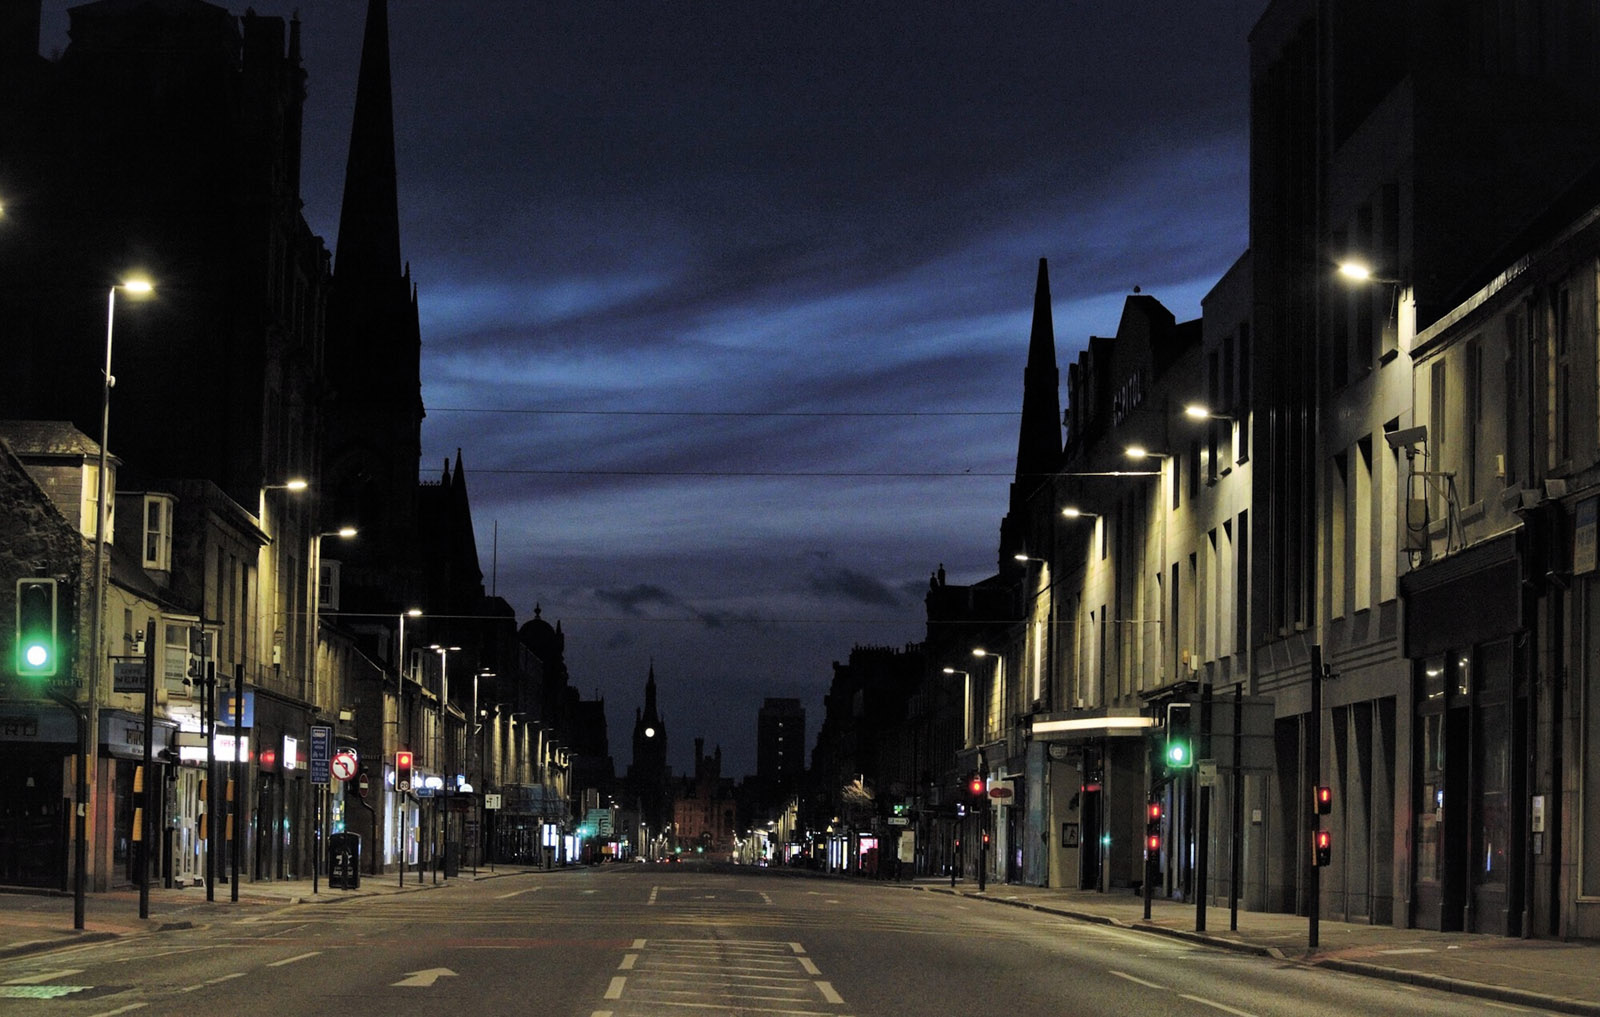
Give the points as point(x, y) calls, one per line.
point(363, 784)
point(491, 801)
point(1000, 789)
point(343, 766)
point(128, 675)
point(321, 751)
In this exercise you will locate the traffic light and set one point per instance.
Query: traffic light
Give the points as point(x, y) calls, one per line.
point(1322, 848)
point(1324, 800)
point(1179, 754)
point(402, 771)
point(977, 787)
point(1152, 828)
point(38, 645)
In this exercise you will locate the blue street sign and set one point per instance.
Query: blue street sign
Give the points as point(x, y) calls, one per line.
point(321, 753)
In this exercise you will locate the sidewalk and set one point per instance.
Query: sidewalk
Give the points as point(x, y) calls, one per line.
point(33, 921)
point(1542, 973)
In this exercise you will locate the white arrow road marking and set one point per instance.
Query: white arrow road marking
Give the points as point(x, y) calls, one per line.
point(424, 979)
point(43, 976)
point(513, 893)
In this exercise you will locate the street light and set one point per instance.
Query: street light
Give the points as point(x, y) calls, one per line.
point(1073, 512)
point(400, 646)
point(135, 287)
point(1200, 411)
point(1362, 272)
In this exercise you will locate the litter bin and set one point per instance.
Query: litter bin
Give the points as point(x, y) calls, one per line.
point(344, 861)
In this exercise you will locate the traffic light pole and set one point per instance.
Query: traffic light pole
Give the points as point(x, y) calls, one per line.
point(1314, 741)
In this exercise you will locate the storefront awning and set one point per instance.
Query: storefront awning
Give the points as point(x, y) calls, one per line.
point(1080, 725)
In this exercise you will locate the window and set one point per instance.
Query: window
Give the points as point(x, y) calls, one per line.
point(328, 585)
point(1560, 378)
point(1243, 403)
point(158, 532)
point(1438, 427)
point(1472, 401)
point(1338, 538)
point(1361, 537)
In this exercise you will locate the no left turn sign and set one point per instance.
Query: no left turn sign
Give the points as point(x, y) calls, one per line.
point(343, 766)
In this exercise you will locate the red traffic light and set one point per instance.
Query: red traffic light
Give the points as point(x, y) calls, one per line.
point(402, 771)
point(1324, 800)
point(1322, 848)
point(1152, 843)
point(976, 787)
point(1153, 812)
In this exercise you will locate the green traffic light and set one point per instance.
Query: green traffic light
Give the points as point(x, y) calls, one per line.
point(36, 628)
point(1178, 754)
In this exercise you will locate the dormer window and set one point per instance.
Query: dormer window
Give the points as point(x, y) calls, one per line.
point(158, 532)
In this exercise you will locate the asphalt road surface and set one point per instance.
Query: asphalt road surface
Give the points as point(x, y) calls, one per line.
point(648, 941)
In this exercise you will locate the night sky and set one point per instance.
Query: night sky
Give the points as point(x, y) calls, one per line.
point(726, 304)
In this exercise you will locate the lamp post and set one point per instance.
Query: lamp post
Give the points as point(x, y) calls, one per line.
point(475, 763)
point(91, 717)
point(320, 802)
point(442, 742)
point(400, 643)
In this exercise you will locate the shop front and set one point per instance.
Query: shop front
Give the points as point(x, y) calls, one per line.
point(1465, 637)
point(38, 749)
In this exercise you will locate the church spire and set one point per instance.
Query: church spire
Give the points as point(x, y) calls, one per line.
point(1039, 438)
point(369, 217)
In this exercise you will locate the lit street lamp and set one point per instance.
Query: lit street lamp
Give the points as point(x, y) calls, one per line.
point(133, 287)
point(441, 741)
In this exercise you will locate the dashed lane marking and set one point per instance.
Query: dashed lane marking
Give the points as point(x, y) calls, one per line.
point(1225, 1008)
point(290, 960)
point(1136, 981)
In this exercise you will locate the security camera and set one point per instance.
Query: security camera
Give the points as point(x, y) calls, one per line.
point(1406, 437)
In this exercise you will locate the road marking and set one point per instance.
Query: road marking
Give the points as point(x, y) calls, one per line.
point(1504, 1006)
point(797, 948)
point(514, 893)
point(1137, 981)
point(614, 990)
point(1411, 949)
point(1213, 1003)
point(628, 961)
point(423, 979)
point(638, 944)
point(826, 988)
point(810, 966)
point(601, 1013)
point(653, 891)
point(43, 976)
point(766, 898)
point(120, 1009)
point(213, 981)
point(291, 960)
